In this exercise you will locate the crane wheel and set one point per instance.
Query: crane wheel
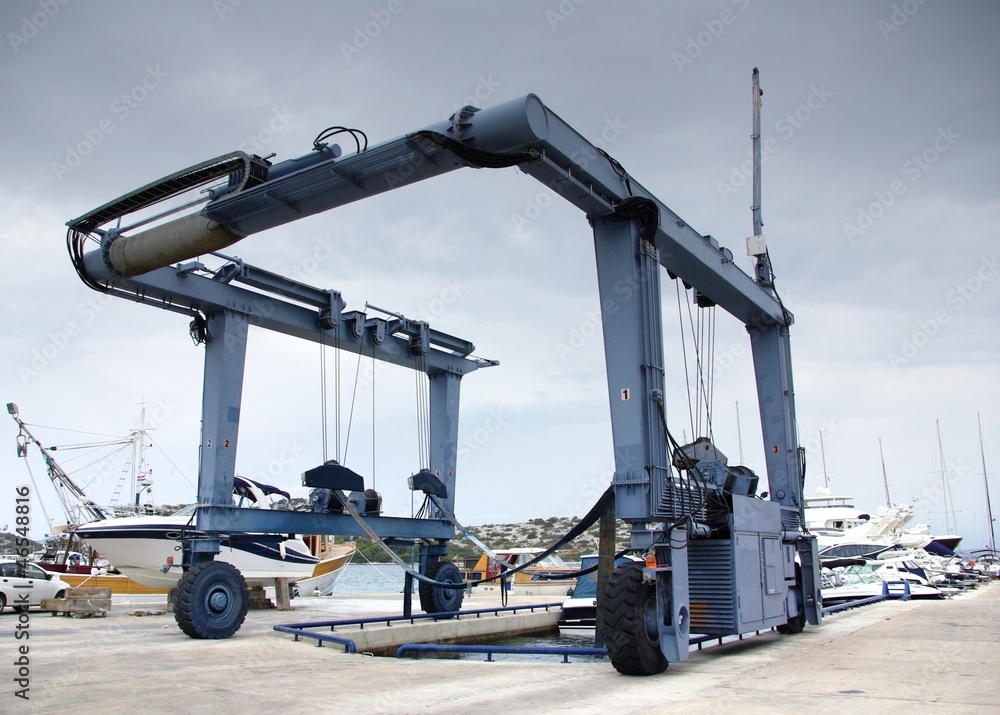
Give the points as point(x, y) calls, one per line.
point(794, 625)
point(437, 599)
point(211, 600)
point(632, 633)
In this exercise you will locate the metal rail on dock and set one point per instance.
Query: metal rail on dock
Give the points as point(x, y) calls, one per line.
point(304, 629)
point(887, 593)
point(490, 650)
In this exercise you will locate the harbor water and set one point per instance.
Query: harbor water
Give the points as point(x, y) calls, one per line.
point(366, 578)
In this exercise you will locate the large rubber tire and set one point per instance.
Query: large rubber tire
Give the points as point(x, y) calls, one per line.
point(796, 624)
point(211, 600)
point(632, 634)
point(436, 599)
point(3, 602)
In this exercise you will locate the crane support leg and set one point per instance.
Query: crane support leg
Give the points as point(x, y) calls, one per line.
point(771, 347)
point(628, 274)
point(225, 335)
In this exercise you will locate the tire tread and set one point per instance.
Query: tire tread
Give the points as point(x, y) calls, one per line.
point(628, 647)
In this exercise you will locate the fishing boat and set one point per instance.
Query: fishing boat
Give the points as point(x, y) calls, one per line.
point(546, 578)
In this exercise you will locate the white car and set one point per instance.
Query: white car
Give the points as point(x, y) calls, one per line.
point(25, 585)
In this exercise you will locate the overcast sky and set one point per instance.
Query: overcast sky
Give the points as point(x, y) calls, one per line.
point(880, 208)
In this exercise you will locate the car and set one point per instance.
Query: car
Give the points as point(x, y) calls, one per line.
point(18, 579)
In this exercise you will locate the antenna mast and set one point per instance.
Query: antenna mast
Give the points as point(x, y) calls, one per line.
point(756, 245)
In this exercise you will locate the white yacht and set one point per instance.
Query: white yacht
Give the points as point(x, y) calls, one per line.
point(147, 549)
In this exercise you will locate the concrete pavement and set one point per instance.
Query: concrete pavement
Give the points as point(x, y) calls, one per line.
point(924, 657)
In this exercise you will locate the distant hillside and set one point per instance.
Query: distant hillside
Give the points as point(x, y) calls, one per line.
point(532, 533)
point(536, 533)
point(8, 544)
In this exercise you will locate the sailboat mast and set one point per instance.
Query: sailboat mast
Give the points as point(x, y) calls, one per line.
point(885, 479)
point(822, 454)
point(986, 483)
point(944, 478)
point(140, 474)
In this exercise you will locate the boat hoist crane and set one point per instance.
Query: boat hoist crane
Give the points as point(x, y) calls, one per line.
point(719, 559)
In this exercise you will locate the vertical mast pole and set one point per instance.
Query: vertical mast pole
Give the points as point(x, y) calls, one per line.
point(763, 261)
point(986, 483)
point(885, 479)
point(944, 478)
point(822, 454)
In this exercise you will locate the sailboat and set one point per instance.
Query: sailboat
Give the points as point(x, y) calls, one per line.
point(942, 544)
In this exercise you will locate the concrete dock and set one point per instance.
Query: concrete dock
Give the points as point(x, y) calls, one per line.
point(924, 656)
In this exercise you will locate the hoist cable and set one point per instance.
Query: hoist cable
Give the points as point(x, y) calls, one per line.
point(354, 396)
point(687, 377)
point(322, 392)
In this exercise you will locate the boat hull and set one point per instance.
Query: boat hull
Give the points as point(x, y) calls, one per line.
point(120, 584)
point(148, 551)
point(326, 572)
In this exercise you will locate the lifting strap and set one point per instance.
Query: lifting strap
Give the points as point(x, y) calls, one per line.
point(585, 523)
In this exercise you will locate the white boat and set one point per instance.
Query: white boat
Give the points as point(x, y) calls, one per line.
point(147, 549)
point(855, 579)
point(580, 611)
